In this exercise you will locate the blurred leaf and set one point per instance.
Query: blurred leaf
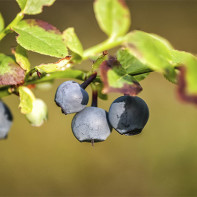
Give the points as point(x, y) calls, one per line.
point(21, 57)
point(10, 72)
point(33, 6)
point(141, 76)
point(187, 78)
point(26, 99)
point(115, 79)
point(163, 40)
point(38, 114)
point(1, 22)
point(40, 37)
point(99, 88)
point(45, 85)
point(72, 41)
point(21, 3)
point(153, 51)
point(53, 67)
point(99, 60)
point(180, 57)
point(113, 16)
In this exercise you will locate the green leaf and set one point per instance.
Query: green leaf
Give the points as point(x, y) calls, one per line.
point(61, 65)
point(72, 41)
point(40, 37)
point(1, 22)
point(153, 51)
point(38, 114)
point(26, 99)
point(21, 3)
point(191, 74)
point(113, 16)
point(186, 63)
point(10, 72)
point(115, 79)
point(33, 6)
point(189, 62)
point(141, 76)
point(99, 60)
point(130, 63)
point(21, 58)
point(99, 88)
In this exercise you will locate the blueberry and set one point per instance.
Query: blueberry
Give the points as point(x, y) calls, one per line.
point(5, 120)
point(71, 97)
point(91, 125)
point(128, 115)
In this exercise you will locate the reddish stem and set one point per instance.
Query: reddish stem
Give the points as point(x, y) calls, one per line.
point(94, 98)
point(89, 80)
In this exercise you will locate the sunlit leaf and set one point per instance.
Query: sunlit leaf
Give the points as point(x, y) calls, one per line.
point(33, 6)
point(40, 37)
point(26, 99)
point(53, 67)
point(1, 22)
point(187, 78)
point(21, 57)
point(152, 51)
point(72, 41)
point(113, 16)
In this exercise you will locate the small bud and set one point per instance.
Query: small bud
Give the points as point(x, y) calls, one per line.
point(38, 114)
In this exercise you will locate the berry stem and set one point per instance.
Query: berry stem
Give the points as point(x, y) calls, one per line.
point(88, 80)
point(94, 96)
point(92, 142)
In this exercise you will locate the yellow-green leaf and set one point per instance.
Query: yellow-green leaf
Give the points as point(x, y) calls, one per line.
point(1, 22)
point(113, 17)
point(21, 58)
point(40, 37)
point(26, 99)
point(33, 6)
point(72, 41)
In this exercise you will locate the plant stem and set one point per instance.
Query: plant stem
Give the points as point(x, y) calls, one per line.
point(106, 45)
point(8, 29)
point(68, 73)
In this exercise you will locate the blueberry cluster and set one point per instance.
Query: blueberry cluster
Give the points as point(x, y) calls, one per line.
point(5, 120)
point(127, 114)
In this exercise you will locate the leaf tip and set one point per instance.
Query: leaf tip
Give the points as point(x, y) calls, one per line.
point(182, 86)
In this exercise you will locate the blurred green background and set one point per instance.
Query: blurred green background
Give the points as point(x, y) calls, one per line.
point(162, 161)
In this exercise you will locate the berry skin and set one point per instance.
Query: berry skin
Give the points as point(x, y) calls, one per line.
point(71, 97)
point(5, 120)
point(91, 125)
point(128, 115)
